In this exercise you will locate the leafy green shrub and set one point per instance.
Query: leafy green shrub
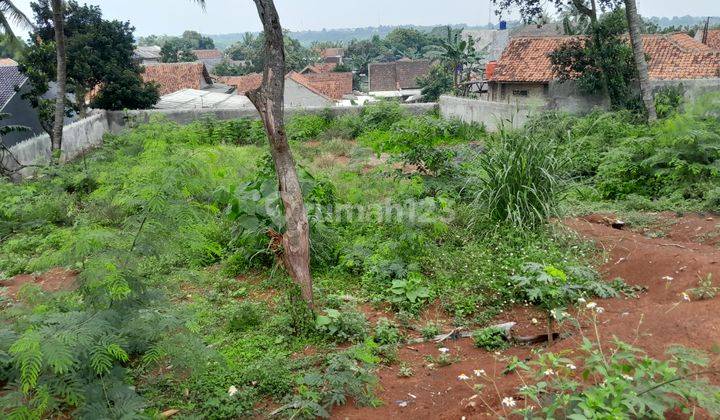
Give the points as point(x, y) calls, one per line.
point(239, 132)
point(343, 325)
point(306, 126)
point(246, 316)
point(618, 382)
point(409, 292)
point(490, 339)
point(553, 289)
point(520, 181)
point(386, 332)
point(380, 115)
point(430, 330)
point(668, 100)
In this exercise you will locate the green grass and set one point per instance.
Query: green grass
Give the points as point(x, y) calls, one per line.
point(194, 298)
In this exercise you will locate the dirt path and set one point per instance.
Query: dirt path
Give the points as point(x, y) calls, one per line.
point(656, 319)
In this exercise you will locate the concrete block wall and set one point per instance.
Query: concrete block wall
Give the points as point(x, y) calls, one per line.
point(88, 133)
point(78, 137)
point(491, 114)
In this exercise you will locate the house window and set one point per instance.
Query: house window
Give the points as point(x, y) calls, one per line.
point(518, 92)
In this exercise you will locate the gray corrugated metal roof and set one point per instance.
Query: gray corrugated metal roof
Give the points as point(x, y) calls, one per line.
point(193, 98)
point(10, 77)
point(145, 53)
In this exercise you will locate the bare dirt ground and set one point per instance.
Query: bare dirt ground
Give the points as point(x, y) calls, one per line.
point(685, 251)
point(53, 280)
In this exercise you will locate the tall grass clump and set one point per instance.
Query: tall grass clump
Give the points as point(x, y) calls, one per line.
point(520, 181)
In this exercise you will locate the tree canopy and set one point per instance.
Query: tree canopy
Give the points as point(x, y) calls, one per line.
point(99, 60)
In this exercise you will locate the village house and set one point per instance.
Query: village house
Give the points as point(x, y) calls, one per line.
point(12, 86)
point(397, 79)
point(313, 86)
point(172, 77)
point(333, 55)
point(524, 71)
point(210, 58)
point(147, 55)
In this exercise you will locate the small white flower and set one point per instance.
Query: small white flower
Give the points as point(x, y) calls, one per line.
point(534, 321)
point(668, 278)
point(565, 315)
point(571, 366)
point(444, 350)
point(549, 372)
point(581, 300)
point(508, 402)
point(599, 309)
point(479, 372)
point(463, 377)
point(628, 378)
point(591, 305)
point(232, 390)
point(686, 297)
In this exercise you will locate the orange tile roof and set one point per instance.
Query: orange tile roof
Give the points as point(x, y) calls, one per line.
point(173, 77)
point(243, 83)
point(526, 59)
point(713, 38)
point(678, 56)
point(319, 68)
point(673, 56)
point(332, 52)
point(303, 80)
point(208, 54)
point(334, 85)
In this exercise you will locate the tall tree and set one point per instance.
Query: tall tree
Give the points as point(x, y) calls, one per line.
point(58, 9)
point(635, 24)
point(269, 101)
point(10, 13)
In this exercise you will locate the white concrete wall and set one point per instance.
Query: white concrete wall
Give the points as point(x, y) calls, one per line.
point(492, 114)
point(299, 95)
point(78, 137)
point(691, 88)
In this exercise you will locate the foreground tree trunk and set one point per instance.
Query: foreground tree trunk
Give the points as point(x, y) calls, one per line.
point(269, 101)
point(59, 23)
point(640, 62)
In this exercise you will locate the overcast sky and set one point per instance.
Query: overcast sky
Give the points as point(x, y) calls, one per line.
point(226, 16)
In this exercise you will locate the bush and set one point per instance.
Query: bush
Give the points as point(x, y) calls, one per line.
point(306, 126)
point(380, 115)
point(248, 315)
point(490, 339)
point(386, 332)
point(520, 181)
point(343, 325)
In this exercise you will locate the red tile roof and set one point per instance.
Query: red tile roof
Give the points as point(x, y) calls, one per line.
point(208, 54)
point(332, 52)
point(333, 84)
point(526, 59)
point(673, 56)
point(173, 77)
point(329, 85)
point(713, 38)
point(319, 68)
point(243, 83)
point(301, 79)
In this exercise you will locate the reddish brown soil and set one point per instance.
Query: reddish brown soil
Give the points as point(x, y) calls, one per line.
point(658, 318)
point(53, 280)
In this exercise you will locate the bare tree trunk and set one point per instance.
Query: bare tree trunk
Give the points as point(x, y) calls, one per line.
point(269, 101)
point(639, 55)
point(59, 23)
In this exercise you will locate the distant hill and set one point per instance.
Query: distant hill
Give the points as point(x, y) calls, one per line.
point(306, 38)
point(223, 41)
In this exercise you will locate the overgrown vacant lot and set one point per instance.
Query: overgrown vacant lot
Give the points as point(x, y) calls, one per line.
point(139, 280)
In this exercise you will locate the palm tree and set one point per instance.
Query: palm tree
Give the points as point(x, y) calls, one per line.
point(10, 13)
point(58, 9)
point(457, 55)
point(639, 54)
